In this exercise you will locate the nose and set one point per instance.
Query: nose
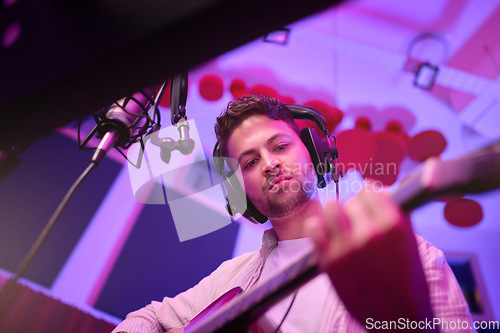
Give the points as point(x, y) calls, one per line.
point(271, 166)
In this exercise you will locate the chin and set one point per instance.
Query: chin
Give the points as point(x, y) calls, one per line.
point(284, 204)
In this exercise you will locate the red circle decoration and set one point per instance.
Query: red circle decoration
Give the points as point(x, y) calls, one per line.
point(303, 123)
point(463, 212)
point(426, 144)
point(263, 90)
point(287, 100)
point(211, 87)
point(389, 152)
point(332, 115)
point(394, 126)
point(364, 123)
point(238, 88)
point(356, 149)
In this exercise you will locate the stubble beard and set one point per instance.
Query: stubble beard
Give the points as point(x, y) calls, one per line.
point(284, 201)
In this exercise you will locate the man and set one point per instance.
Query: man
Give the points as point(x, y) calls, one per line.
point(376, 271)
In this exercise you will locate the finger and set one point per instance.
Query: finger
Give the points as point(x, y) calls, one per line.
point(338, 228)
point(337, 219)
point(382, 209)
point(327, 231)
point(315, 228)
point(362, 226)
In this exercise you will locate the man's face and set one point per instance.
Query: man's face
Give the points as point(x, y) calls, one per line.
point(276, 167)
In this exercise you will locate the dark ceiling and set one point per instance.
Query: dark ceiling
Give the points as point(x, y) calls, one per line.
point(72, 58)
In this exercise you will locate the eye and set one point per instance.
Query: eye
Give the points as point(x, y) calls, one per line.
point(281, 147)
point(250, 163)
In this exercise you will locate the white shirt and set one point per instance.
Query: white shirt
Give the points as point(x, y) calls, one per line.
point(310, 299)
point(244, 271)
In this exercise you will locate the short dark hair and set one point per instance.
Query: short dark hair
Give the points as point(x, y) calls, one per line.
point(242, 108)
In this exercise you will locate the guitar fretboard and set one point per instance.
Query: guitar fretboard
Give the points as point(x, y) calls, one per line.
point(249, 306)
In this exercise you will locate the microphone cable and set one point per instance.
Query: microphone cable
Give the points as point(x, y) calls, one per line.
point(118, 126)
point(9, 285)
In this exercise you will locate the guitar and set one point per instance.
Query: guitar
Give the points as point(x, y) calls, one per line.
point(475, 172)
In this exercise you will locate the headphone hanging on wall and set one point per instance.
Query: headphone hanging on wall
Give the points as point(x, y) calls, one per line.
point(322, 152)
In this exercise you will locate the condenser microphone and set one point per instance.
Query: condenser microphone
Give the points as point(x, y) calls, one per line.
point(119, 122)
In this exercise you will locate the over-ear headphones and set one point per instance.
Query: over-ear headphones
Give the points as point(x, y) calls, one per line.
point(323, 153)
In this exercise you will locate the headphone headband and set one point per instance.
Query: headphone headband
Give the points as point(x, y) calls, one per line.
point(308, 113)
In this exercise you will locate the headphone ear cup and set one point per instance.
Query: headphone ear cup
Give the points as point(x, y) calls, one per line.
point(238, 202)
point(318, 148)
point(253, 215)
point(236, 199)
point(234, 196)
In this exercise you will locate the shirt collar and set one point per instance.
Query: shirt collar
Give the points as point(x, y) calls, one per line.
point(269, 239)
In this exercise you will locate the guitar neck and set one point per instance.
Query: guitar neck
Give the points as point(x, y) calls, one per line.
point(476, 172)
point(237, 315)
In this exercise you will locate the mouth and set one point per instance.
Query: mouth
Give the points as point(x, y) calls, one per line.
point(277, 180)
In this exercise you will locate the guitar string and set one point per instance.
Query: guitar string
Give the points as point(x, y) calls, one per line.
point(286, 313)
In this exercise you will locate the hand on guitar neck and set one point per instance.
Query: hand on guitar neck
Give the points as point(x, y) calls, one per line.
point(369, 251)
